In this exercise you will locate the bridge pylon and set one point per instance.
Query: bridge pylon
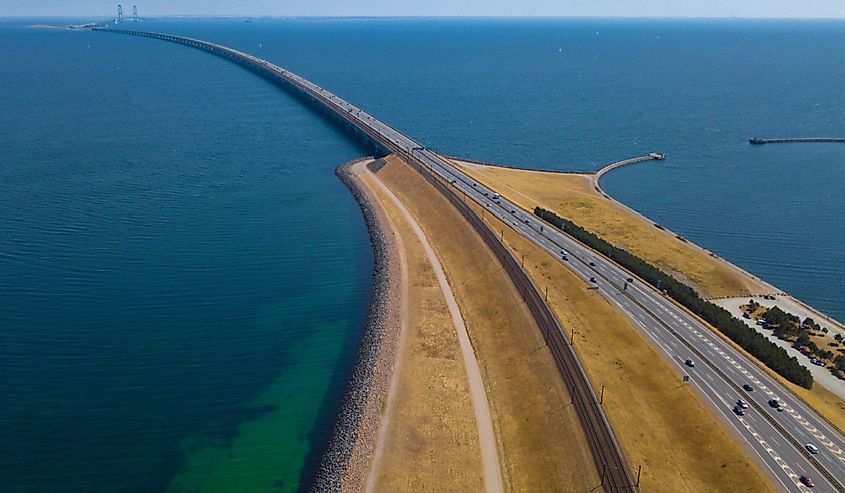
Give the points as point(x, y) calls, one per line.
point(119, 13)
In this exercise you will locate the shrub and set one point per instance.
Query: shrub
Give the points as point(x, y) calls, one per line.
point(749, 339)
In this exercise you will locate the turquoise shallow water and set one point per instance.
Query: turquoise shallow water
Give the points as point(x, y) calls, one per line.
point(182, 279)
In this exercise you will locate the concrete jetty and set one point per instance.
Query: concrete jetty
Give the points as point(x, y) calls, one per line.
point(791, 140)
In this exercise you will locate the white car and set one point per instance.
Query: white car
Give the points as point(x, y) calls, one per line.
point(812, 448)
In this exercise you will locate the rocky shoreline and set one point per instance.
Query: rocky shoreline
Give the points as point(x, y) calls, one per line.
point(345, 464)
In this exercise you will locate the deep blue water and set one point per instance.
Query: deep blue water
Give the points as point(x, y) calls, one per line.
point(182, 278)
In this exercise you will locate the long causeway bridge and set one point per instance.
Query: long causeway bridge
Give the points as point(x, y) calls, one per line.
point(455, 186)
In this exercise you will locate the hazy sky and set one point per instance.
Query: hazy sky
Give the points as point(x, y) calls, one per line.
point(626, 8)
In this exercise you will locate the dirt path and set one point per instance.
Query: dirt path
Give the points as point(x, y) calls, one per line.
point(384, 426)
point(489, 451)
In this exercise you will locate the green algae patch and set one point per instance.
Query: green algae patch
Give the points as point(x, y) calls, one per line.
point(268, 452)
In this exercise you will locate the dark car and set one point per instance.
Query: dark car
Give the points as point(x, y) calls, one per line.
point(593, 279)
point(807, 481)
point(564, 257)
point(748, 387)
point(592, 264)
point(690, 363)
point(774, 403)
point(630, 279)
point(739, 411)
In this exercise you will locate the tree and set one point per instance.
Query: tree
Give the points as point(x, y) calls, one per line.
point(803, 339)
point(755, 343)
point(840, 362)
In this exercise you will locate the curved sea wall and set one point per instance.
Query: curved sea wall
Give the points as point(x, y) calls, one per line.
point(345, 464)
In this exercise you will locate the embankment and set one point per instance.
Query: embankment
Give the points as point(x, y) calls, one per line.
point(345, 463)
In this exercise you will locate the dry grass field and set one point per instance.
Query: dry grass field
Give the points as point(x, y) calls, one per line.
point(541, 444)
point(432, 440)
point(662, 424)
point(573, 196)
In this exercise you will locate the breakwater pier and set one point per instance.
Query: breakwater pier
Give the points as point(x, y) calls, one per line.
point(794, 140)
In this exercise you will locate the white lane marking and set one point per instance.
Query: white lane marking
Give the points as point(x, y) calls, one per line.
point(778, 460)
point(840, 454)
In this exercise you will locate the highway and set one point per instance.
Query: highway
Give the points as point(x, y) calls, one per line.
point(776, 438)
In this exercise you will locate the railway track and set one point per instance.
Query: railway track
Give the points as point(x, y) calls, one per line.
point(610, 461)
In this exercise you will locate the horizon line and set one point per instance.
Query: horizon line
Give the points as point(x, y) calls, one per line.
point(306, 16)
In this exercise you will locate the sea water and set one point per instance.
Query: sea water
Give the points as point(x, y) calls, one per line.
point(182, 279)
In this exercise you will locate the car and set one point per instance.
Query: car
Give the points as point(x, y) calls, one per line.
point(807, 481)
point(779, 408)
point(592, 264)
point(774, 403)
point(498, 201)
point(746, 315)
point(741, 403)
point(690, 363)
point(513, 211)
point(486, 194)
point(564, 257)
point(527, 222)
point(748, 387)
point(811, 448)
point(739, 410)
point(593, 280)
point(630, 279)
point(475, 184)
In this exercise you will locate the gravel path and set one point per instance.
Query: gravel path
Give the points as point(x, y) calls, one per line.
point(484, 422)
